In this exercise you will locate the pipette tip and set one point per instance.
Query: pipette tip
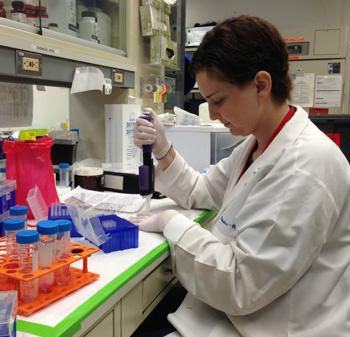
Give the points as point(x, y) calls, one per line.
point(147, 199)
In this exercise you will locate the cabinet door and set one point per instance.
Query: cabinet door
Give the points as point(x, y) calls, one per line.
point(143, 298)
point(131, 315)
point(109, 326)
point(103, 328)
point(155, 283)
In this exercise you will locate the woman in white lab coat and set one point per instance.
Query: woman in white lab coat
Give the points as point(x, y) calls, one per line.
point(276, 262)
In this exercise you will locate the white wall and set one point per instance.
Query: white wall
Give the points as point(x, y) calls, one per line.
point(285, 14)
point(50, 107)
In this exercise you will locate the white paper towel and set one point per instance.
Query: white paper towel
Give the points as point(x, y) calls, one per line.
point(86, 79)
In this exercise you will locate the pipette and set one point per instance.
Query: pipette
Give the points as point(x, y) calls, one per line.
point(146, 171)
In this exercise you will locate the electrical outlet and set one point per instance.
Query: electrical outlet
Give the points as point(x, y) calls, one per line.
point(29, 64)
point(117, 77)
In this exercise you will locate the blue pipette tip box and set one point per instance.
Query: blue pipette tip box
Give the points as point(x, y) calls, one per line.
point(60, 212)
point(122, 233)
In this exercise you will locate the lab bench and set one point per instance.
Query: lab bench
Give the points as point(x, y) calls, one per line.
point(131, 284)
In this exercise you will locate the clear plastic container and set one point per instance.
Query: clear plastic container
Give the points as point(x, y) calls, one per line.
point(28, 257)
point(90, 178)
point(37, 204)
point(12, 227)
point(64, 174)
point(47, 250)
point(62, 275)
point(8, 313)
point(19, 212)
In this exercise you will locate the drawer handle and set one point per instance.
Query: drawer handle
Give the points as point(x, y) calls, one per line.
point(168, 271)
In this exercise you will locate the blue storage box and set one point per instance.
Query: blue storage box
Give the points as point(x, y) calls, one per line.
point(60, 212)
point(122, 233)
point(7, 200)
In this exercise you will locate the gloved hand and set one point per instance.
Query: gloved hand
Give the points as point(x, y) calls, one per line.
point(146, 133)
point(149, 222)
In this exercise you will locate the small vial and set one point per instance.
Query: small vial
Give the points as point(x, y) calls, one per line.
point(28, 262)
point(19, 212)
point(64, 174)
point(62, 275)
point(47, 249)
point(17, 12)
point(12, 227)
point(2, 10)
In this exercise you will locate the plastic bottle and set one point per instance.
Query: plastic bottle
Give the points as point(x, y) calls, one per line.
point(28, 262)
point(19, 212)
point(64, 174)
point(81, 7)
point(12, 227)
point(104, 23)
point(63, 16)
point(47, 249)
point(88, 28)
point(17, 11)
point(62, 275)
point(2, 10)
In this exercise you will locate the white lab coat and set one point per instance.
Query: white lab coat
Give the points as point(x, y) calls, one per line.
point(276, 262)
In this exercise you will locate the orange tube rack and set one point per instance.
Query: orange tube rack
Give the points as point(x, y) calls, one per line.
point(10, 277)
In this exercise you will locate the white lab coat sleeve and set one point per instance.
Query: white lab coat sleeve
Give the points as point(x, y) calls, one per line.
point(280, 231)
point(191, 189)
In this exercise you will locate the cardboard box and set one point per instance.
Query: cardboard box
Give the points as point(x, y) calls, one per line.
point(158, 4)
point(119, 123)
point(153, 22)
point(163, 51)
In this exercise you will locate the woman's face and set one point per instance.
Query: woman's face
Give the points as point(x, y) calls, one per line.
point(237, 108)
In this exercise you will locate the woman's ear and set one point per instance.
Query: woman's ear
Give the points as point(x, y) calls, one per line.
point(263, 83)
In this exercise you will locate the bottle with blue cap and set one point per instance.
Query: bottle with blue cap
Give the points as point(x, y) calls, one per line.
point(64, 174)
point(28, 260)
point(47, 249)
point(19, 211)
point(11, 228)
point(62, 275)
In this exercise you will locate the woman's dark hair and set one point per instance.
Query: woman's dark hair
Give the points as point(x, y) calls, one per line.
point(239, 47)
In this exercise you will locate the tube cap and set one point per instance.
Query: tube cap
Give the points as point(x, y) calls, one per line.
point(63, 166)
point(18, 210)
point(28, 236)
point(14, 224)
point(47, 227)
point(64, 225)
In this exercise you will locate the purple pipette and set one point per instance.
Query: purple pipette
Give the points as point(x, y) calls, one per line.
point(146, 171)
